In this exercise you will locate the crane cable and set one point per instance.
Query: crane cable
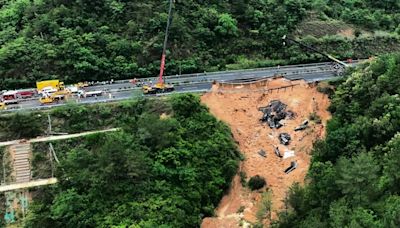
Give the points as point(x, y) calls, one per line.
point(284, 38)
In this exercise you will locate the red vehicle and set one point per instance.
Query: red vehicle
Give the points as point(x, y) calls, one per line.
point(13, 97)
point(26, 93)
point(18, 94)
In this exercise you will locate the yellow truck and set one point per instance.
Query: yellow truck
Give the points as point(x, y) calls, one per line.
point(50, 84)
point(158, 88)
point(51, 91)
point(54, 97)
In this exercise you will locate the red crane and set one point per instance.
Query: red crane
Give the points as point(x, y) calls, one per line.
point(161, 86)
point(162, 66)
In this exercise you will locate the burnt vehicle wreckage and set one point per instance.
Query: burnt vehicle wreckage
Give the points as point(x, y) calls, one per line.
point(273, 114)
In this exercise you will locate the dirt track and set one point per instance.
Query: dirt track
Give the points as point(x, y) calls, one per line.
point(238, 107)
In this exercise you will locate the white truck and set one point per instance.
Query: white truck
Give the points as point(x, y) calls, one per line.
point(73, 89)
point(85, 94)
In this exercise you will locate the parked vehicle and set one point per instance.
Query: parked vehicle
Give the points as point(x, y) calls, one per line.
point(10, 97)
point(53, 84)
point(3, 106)
point(54, 97)
point(85, 94)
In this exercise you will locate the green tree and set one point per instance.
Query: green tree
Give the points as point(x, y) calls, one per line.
point(227, 26)
point(390, 178)
point(391, 212)
point(70, 209)
point(353, 179)
point(357, 178)
point(24, 125)
point(155, 172)
point(186, 105)
point(256, 182)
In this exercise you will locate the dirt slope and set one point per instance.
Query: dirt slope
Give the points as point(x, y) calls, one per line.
point(238, 107)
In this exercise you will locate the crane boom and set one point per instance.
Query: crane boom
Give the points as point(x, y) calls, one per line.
point(161, 86)
point(315, 50)
point(162, 66)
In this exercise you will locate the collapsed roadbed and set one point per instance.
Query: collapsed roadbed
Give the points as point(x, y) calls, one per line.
point(270, 122)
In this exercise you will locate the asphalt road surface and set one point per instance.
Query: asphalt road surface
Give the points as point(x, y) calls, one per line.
point(117, 95)
point(286, 71)
point(124, 89)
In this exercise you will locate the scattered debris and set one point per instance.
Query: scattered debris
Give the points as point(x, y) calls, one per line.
point(288, 154)
point(290, 115)
point(293, 166)
point(277, 152)
point(302, 126)
point(284, 138)
point(262, 153)
point(274, 113)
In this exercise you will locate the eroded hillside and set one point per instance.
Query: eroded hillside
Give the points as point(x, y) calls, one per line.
point(239, 108)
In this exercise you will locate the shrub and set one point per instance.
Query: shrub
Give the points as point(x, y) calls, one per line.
point(265, 206)
point(24, 125)
point(241, 209)
point(243, 177)
point(256, 182)
point(357, 32)
point(326, 90)
point(314, 117)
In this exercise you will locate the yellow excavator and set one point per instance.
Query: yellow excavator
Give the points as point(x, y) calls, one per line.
point(161, 86)
point(54, 97)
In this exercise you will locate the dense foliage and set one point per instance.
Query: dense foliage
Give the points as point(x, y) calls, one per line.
point(103, 39)
point(354, 177)
point(95, 40)
point(168, 168)
point(369, 14)
point(73, 118)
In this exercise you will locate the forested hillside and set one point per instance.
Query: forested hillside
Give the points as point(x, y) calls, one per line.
point(103, 39)
point(168, 167)
point(354, 177)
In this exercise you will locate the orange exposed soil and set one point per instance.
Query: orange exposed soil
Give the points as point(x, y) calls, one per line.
point(238, 107)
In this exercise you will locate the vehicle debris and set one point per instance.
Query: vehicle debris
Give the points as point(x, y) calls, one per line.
point(284, 138)
point(302, 126)
point(290, 115)
point(277, 152)
point(293, 166)
point(288, 154)
point(262, 153)
point(274, 113)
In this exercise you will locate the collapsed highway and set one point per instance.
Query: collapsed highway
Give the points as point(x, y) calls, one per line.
point(200, 82)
